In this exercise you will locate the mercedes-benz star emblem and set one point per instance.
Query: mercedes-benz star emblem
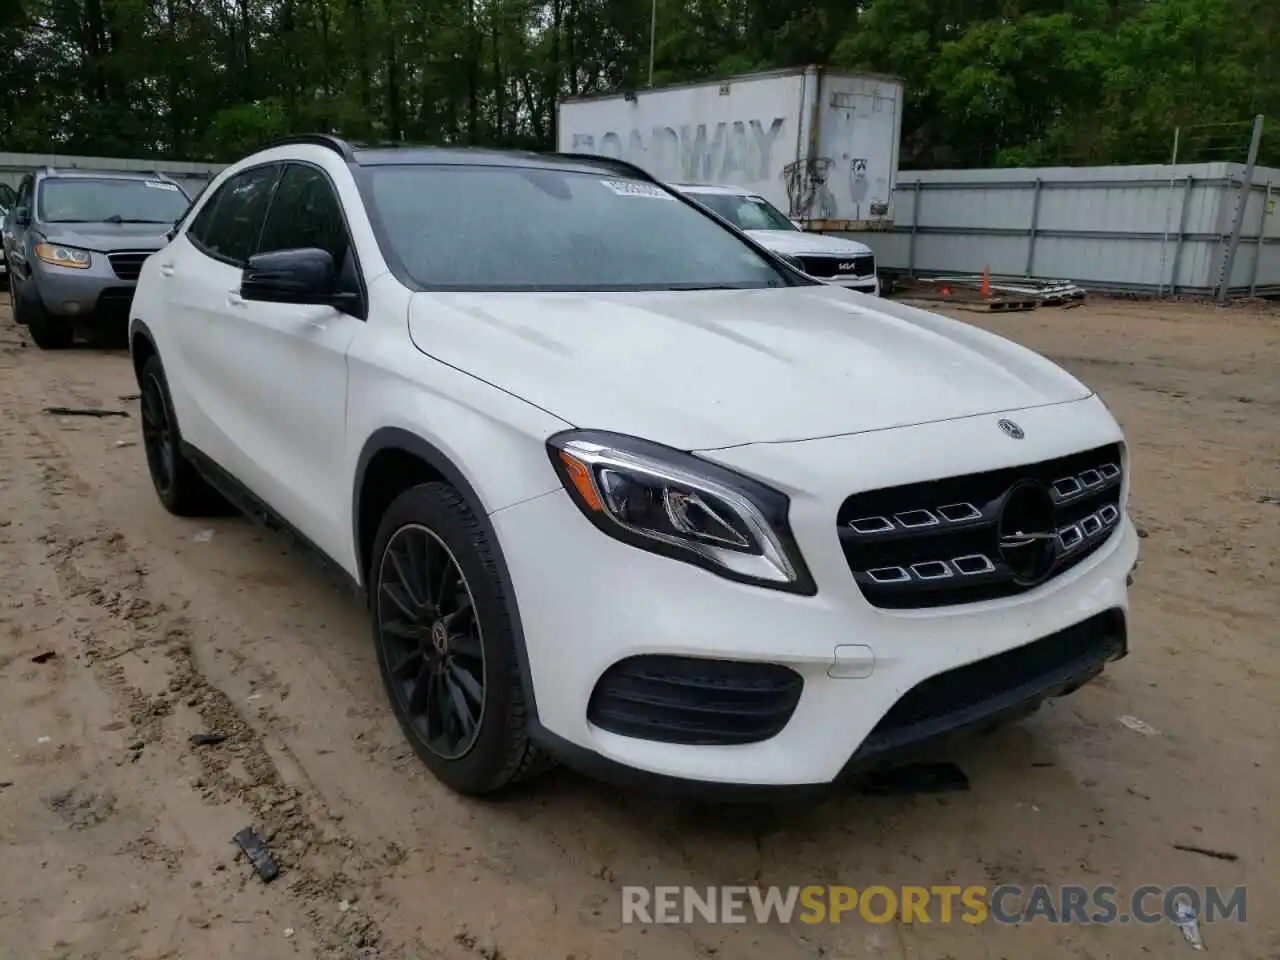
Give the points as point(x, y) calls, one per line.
point(439, 637)
point(1011, 429)
point(1027, 533)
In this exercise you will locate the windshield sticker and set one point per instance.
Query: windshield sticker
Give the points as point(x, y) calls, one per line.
point(161, 185)
point(632, 188)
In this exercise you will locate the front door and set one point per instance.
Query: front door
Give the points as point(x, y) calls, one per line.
point(287, 392)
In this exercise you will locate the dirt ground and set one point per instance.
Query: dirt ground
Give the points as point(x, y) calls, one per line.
point(124, 631)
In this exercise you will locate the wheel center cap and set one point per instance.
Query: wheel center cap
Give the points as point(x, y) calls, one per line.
point(440, 637)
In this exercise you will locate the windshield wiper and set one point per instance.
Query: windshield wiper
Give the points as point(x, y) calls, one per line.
point(116, 218)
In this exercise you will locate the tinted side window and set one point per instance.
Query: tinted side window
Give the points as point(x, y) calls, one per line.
point(229, 225)
point(306, 213)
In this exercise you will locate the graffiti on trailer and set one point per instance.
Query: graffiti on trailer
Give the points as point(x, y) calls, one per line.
point(807, 192)
point(738, 151)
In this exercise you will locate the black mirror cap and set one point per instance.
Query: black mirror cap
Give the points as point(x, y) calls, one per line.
point(304, 275)
point(21, 216)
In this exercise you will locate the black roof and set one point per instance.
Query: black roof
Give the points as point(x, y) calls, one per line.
point(370, 155)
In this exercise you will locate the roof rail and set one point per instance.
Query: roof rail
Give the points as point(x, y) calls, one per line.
point(613, 163)
point(336, 144)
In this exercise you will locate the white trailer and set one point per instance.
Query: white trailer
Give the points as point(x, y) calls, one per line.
point(821, 145)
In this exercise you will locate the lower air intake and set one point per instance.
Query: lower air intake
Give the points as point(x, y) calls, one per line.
point(693, 700)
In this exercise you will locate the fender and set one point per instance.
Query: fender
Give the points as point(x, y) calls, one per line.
point(138, 328)
point(394, 438)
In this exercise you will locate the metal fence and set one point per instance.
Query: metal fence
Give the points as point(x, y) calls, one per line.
point(1156, 228)
point(192, 176)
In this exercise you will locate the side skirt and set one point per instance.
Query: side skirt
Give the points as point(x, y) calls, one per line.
point(253, 507)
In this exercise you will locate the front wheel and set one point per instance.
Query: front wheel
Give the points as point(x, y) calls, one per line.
point(47, 331)
point(177, 483)
point(445, 643)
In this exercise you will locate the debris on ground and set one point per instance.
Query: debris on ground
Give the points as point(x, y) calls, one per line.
point(1187, 924)
point(44, 657)
point(1050, 293)
point(916, 778)
point(1138, 726)
point(1267, 498)
point(207, 739)
point(204, 536)
point(83, 412)
point(260, 857)
point(1206, 852)
point(126, 443)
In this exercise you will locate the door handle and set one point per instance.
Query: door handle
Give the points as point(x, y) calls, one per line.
point(235, 300)
point(166, 270)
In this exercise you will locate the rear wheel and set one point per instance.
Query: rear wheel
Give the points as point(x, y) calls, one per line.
point(446, 645)
point(178, 484)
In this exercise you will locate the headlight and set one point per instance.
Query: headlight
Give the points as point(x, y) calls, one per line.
point(63, 256)
point(680, 506)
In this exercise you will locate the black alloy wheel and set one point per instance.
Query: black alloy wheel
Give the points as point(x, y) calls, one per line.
point(157, 435)
point(432, 640)
point(181, 489)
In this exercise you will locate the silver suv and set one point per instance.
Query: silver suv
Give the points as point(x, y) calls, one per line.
point(75, 243)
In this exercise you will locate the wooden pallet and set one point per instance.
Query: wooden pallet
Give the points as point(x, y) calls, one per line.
point(999, 304)
point(974, 304)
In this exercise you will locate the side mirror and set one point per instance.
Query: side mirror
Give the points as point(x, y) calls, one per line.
point(22, 216)
point(304, 275)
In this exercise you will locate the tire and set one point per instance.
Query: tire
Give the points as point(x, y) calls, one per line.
point(177, 483)
point(499, 753)
point(47, 331)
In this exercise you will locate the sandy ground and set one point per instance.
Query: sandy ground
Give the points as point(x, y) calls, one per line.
point(115, 832)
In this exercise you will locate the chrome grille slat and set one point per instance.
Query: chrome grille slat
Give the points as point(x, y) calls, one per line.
point(937, 543)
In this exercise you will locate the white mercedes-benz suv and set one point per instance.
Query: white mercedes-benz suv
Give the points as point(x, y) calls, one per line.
point(621, 487)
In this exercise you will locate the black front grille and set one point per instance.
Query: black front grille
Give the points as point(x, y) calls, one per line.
point(937, 543)
point(858, 265)
point(984, 689)
point(128, 265)
point(693, 700)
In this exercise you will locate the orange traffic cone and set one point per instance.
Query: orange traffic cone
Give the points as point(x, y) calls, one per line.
point(986, 281)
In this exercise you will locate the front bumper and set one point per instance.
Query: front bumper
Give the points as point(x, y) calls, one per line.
point(93, 292)
point(587, 602)
point(868, 285)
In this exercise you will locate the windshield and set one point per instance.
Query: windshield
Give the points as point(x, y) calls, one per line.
point(520, 228)
point(109, 200)
point(744, 211)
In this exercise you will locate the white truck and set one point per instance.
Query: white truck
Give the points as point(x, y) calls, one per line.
point(821, 145)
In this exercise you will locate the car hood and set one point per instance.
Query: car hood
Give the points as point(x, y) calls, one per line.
point(107, 237)
point(795, 242)
point(708, 369)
